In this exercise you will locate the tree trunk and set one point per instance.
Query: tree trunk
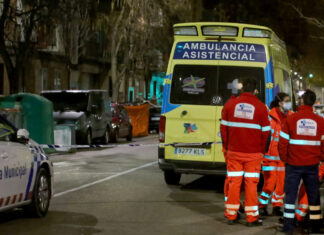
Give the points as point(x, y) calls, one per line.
point(13, 78)
point(114, 77)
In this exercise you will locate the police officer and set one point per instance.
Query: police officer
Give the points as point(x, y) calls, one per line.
point(301, 147)
point(245, 129)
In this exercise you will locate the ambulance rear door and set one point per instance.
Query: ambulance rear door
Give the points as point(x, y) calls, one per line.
point(193, 91)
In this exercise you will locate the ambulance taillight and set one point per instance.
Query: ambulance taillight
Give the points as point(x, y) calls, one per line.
point(162, 129)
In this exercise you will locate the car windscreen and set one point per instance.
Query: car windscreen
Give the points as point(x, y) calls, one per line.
point(211, 85)
point(67, 101)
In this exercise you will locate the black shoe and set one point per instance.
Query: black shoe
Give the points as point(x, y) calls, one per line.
point(301, 224)
point(280, 229)
point(232, 222)
point(276, 211)
point(258, 222)
point(263, 211)
point(281, 220)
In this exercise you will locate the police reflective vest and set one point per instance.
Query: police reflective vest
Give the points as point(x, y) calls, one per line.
point(245, 125)
point(303, 133)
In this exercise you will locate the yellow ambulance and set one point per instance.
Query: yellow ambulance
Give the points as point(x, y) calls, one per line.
point(207, 64)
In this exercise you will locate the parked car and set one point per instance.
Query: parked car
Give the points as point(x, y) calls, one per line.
point(88, 110)
point(155, 113)
point(26, 173)
point(319, 109)
point(121, 123)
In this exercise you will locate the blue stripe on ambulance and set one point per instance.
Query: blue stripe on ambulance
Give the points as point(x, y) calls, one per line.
point(167, 107)
point(269, 79)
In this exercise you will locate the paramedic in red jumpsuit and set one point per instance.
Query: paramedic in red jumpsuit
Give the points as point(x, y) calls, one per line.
point(245, 129)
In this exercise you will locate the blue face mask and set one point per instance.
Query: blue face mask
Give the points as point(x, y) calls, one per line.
point(287, 106)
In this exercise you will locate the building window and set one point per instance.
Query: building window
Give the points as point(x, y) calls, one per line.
point(57, 80)
point(44, 78)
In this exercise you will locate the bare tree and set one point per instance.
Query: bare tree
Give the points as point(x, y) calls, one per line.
point(19, 21)
point(75, 18)
point(135, 29)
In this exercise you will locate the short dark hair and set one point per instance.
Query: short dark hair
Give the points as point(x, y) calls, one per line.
point(278, 98)
point(249, 84)
point(309, 97)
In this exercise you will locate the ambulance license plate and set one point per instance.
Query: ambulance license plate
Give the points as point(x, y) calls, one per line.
point(190, 151)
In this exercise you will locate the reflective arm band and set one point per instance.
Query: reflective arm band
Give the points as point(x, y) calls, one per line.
point(284, 135)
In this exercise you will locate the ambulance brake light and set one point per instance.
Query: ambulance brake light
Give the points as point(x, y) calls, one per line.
point(185, 31)
point(162, 129)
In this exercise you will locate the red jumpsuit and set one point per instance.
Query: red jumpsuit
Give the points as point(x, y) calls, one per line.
point(302, 209)
point(273, 169)
point(244, 129)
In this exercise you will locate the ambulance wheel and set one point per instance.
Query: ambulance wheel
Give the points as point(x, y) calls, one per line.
point(41, 195)
point(172, 178)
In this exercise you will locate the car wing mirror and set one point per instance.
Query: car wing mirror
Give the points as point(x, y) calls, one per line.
point(23, 136)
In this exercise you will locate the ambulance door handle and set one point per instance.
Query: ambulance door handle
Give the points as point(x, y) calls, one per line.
point(183, 113)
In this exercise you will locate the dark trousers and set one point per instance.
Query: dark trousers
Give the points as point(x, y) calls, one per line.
point(309, 175)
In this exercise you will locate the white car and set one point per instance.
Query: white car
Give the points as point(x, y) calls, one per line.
point(319, 109)
point(26, 173)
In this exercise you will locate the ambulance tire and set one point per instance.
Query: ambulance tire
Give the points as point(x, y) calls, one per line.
point(172, 178)
point(41, 195)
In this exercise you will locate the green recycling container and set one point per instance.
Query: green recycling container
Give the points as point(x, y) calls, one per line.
point(32, 112)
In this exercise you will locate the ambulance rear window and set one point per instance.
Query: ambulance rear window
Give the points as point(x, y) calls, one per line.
point(211, 85)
